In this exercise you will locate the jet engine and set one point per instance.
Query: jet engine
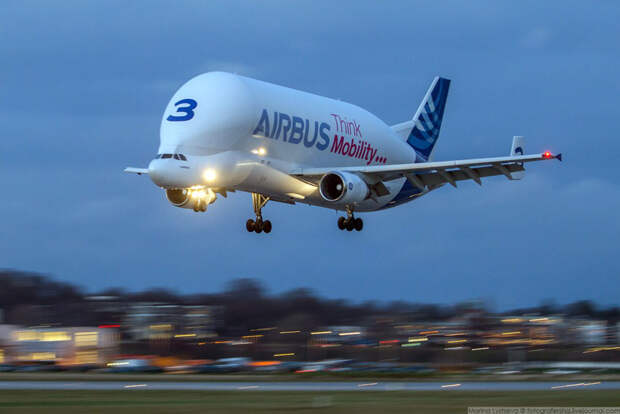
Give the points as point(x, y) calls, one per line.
point(195, 198)
point(343, 188)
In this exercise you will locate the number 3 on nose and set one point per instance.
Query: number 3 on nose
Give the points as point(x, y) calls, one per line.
point(188, 110)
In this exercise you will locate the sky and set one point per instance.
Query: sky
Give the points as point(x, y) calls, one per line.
point(83, 85)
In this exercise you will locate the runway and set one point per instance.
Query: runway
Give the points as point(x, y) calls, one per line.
point(307, 386)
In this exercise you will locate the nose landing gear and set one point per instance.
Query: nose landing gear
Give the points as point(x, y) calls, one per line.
point(350, 222)
point(200, 205)
point(258, 226)
point(199, 197)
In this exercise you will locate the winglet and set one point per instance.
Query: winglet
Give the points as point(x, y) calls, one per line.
point(517, 149)
point(559, 156)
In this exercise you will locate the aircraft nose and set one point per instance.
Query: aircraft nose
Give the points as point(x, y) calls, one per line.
point(169, 173)
point(157, 172)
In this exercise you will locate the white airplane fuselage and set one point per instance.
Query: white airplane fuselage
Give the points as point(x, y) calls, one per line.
point(222, 132)
point(250, 134)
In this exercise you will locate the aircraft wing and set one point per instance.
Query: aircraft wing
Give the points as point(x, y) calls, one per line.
point(433, 174)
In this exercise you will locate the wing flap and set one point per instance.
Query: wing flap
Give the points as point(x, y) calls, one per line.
point(434, 179)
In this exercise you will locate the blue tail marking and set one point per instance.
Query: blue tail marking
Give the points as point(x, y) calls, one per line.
point(427, 121)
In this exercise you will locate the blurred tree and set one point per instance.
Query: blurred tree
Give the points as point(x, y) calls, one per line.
point(581, 308)
point(245, 288)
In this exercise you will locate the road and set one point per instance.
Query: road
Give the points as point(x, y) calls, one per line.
point(306, 386)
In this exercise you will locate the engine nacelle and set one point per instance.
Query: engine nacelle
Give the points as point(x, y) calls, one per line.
point(195, 198)
point(343, 188)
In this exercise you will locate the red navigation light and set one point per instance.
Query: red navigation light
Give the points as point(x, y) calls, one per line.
point(546, 154)
point(109, 326)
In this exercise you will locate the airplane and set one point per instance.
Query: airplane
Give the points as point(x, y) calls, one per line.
point(222, 133)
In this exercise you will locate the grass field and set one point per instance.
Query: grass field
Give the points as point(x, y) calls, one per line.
point(152, 402)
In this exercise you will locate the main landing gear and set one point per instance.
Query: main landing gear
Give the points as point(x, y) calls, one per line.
point(350, 222)
point(258, 202)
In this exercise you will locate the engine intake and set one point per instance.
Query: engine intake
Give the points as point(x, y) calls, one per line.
point(195, 198)
point(178, 196)
point(343, 188)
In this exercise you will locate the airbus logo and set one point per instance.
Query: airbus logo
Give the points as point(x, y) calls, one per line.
point(293, 129)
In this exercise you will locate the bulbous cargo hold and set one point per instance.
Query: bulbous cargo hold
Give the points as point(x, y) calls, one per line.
point(216, 112)
point(208, 114)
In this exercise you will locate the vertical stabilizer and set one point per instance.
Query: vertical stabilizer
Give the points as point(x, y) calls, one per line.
point(428, 117)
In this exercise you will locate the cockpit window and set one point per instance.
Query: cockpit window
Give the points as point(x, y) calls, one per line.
point(175, 156)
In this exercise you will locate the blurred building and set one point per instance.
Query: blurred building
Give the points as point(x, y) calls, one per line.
point(5, 342)
point(156, 321)
point(590, 332)
point(66, 345)
point(530, 330)
point(343, 334)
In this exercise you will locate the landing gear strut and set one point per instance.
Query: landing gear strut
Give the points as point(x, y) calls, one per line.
point(200, 205)
point(258, 202)
point(350, 222)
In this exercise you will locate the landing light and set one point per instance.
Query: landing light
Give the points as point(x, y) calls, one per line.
point(209, 175)
point(259, 151)
point(199, 193)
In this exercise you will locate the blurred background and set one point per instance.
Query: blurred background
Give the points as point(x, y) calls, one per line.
point(510, 276)
point(51, 326)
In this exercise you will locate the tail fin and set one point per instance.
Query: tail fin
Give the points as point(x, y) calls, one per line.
point(427, 119)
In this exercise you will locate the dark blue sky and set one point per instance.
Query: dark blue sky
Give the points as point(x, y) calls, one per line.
point(83, 86)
